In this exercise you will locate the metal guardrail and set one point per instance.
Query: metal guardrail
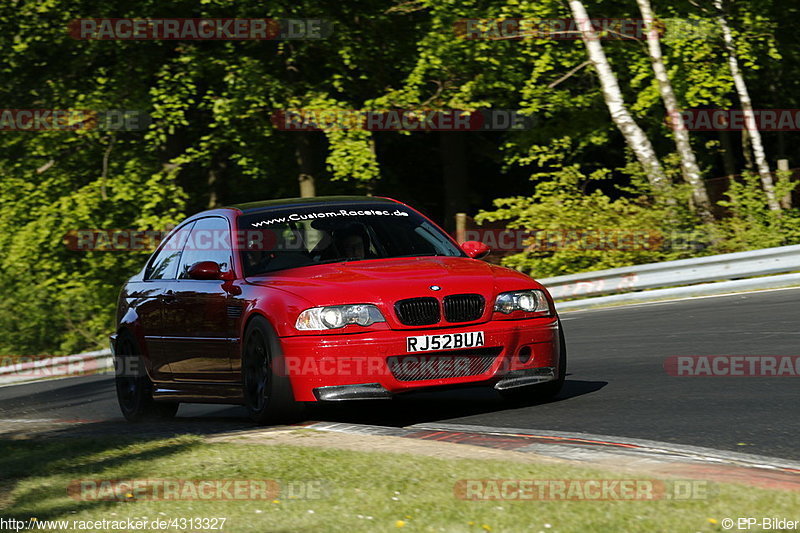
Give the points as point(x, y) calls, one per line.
point(56, 367)
point(676, 273)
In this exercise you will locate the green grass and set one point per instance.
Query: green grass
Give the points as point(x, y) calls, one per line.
point(387, 487)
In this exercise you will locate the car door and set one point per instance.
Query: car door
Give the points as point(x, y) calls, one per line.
point(200, 343)
point(153, 297)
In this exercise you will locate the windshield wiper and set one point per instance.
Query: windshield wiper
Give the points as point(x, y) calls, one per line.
point(350, 259)
point(342, 260)
point(435, 254)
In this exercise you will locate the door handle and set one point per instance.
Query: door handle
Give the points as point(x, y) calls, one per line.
point(169, 297)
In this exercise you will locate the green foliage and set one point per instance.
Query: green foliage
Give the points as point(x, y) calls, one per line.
point(53, 299)
point(351, 154)
point(595, 229)
point(637, 225)
point(751, 224)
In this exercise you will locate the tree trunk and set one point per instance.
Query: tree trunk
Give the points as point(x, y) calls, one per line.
point(214, 182)
point(747, 107)
point(369, 186)
point(727, 153)
point(453, 151)
point(634, 135)
point(211, 181)
point(746, 152)
point(304, 154)
point(689, 167)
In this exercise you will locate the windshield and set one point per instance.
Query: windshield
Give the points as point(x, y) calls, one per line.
point(303, 236)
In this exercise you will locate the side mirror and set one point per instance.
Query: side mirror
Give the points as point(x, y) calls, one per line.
point(205, 270)
point(475, 249)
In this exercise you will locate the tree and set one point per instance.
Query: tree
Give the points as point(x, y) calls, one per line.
point(750, 125)
point(689, 167)
point(634, 135)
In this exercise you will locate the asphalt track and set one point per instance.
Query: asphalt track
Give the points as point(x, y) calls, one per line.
point(616, 384)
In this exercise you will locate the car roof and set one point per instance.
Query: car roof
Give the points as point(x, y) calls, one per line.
point(268, 205)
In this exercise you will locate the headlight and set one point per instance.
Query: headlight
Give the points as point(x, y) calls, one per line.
point(532, 301)
point(338, 316)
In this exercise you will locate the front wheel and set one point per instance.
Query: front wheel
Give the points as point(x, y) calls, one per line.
point(267, 394)
point(543, 391)
point(134, 388)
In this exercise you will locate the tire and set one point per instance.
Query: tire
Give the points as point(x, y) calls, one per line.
point(134, 388)
point(543, 391)
point(267, 394)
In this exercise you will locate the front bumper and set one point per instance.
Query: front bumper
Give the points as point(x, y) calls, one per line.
point(376, 391)
point(364, 365)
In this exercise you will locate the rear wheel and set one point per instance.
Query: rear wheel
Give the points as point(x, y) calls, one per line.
point(267, 393)
point(543, 391)
point(134, 388)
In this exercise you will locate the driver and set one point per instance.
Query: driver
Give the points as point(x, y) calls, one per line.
point(257, 251)
point(352, 241)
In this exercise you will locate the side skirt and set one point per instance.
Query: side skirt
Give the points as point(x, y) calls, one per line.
point(199, 393)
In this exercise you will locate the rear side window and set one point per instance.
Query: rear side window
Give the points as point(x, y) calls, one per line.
point(165, 263)
point(210, 240)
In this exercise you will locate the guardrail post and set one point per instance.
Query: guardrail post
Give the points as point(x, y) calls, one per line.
point(461, 227)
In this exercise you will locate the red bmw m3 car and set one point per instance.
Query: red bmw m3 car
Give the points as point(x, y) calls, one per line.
point(277, 304)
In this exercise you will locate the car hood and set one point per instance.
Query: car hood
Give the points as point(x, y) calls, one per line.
point(384, 281)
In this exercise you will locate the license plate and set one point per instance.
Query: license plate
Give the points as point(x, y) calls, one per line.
point(445, 341)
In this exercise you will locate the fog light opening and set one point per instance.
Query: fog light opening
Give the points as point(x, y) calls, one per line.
point(524, 354)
